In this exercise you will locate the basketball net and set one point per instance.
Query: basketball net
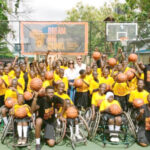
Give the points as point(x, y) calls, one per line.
point(124, 41)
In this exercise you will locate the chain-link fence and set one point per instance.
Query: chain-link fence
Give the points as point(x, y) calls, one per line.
point(76, 35)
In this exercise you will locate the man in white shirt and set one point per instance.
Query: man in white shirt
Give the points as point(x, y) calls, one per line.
point(79, 65)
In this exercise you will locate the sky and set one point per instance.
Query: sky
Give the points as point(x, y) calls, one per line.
point(55, 10)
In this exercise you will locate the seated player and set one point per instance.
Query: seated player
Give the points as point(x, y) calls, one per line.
point(98, 97)
point(143, 134)
point(139, 93)
point(45, 106)
point(72, 122)
point(114, 121)
point(11, 92)
point(22, 123)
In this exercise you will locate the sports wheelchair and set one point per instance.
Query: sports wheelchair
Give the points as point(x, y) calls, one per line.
point(9, 134)
point(83, 131)
point(98, 128)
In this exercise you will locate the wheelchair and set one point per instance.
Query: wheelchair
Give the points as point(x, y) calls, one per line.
point(92, 124)
point(83, 131)
point(99, 130)
point(60, 130)
point(9, 134)
point(134, 112)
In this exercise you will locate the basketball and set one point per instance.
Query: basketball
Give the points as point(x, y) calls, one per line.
point(21, 112)
point(41, 92)
point(9, 102)
point(28, 96)
point(130, 75)
point(121, 77)
point(138, 103)
point(36, 84)
point(1, 82)
point(115, 109)
point(112, 62)
point(96, 55)
point(132, 57)
point(78, 83)
point(99, 103)
point(71, 112)
point(49, 75)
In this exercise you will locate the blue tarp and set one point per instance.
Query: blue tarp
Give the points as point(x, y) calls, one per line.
point(143, 51)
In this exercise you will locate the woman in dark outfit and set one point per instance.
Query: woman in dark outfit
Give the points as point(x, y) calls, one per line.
point(143, 135)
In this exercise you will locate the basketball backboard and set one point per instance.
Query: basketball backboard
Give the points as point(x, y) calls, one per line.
point(118, 31)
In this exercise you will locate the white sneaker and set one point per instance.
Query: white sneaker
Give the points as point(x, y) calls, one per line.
point(116, 139)
point(73, 138)
point(78, 136)
point(112, 139)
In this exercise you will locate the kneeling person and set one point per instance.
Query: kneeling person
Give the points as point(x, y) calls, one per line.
point(46, 115)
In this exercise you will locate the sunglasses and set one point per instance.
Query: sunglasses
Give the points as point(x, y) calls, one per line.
point(71, 63)
point(79, 58)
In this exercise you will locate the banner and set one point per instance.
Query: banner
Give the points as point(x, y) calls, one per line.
point(69, 38)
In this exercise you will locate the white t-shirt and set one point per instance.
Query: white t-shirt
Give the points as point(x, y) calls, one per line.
point(78, 68)
point(71, 74)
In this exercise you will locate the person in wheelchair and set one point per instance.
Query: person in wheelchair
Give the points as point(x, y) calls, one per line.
point(114, 121)
point(143, 134)
point(22, 115)
point(72, 121)
point(139, 93)
point(11, 92)
point(98, 97)
point(45, 106)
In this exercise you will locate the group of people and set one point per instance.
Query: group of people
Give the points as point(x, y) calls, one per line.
point(100, 89)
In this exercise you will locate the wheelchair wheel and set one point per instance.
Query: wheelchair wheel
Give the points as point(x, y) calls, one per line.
point(94, 125)
point(131, 126)
point(88, 115)
point(83, 127)
point(6, 129)
point(60, 130)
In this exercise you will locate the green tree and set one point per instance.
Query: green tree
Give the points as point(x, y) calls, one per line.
point(95, 17)
point(4, 29)
point(137, 11)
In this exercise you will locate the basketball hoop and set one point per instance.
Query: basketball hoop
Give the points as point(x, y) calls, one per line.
point(124, 41)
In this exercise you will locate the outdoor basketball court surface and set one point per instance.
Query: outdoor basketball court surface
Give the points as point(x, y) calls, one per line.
point(89, 146)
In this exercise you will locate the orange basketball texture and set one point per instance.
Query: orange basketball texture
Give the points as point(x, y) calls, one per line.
point(41, 92)
point(99, 102)
point(1, 82)
point(115, 109)
point(112, 62)
point(78, 83)
point(28, 95)
point(36, 84)
point(49, 75)
point(132, 57)
point(9, 102)
point(121, 77)
point(21, 112)
point(96, 55)
point(138, 103)
point(130, 75)
point(71, 112)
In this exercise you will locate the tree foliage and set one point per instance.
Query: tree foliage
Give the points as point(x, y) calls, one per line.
point(130, 11)
point(4, 29)
point(95, 17)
